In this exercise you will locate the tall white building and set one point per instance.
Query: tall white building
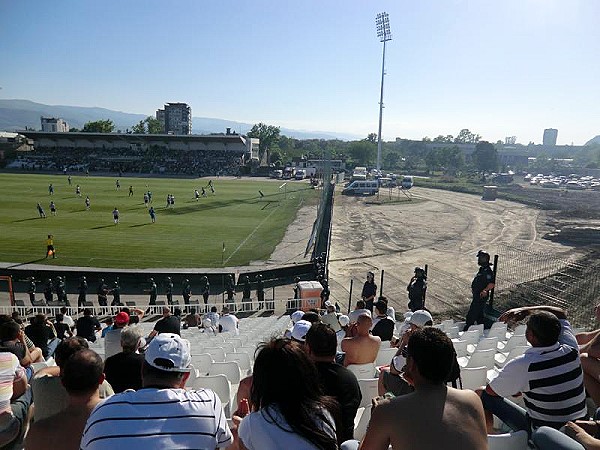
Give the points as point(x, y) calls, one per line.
point(176, 118)
point(550, 135)
point(54, 125)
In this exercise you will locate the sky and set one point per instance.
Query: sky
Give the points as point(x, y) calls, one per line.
point(499, 68)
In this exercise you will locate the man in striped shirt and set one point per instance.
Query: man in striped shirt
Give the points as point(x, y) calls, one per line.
point(548, 374)
point(161, 415)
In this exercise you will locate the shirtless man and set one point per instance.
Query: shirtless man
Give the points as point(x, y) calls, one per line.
point(81, 377)
point(361, 348)
point(434, 415)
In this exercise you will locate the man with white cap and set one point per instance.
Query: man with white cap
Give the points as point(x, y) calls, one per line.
point(390, 379)
point(331, 316)
point(163, 414)
point(295, 317)
point(299, 331)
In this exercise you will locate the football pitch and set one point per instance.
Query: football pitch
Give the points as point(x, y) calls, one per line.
point(230, 227)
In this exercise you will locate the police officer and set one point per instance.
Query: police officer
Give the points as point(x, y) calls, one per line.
point(61, 292)
point(48, 291)
point(186, 291)
point(116, 293)
point(153, 292)
point(480, 287)
point(31, 290)
point(260, 291)
point(169, 291)
point(324, 293)
point(205, 291)
point(246, 294)
point(82, 289)
point(416, 290)
point(369, 291)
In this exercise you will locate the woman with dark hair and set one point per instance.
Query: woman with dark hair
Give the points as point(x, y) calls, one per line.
point(289, 408)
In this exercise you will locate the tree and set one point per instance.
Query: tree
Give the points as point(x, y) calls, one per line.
point(466, 137)
point(139, 128)
point(391, 160)
point(485, 157)
point(441, 138)
point(372, 137)
point(268, 135)
point(432, 159)
point(149, 125)
point(363, 152)
point(99, 126)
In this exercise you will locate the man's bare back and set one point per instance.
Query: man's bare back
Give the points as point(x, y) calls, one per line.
point(360, 349)
point(430, 418)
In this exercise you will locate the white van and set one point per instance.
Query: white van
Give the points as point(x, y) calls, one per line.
point(358, 187)
point(407, 182)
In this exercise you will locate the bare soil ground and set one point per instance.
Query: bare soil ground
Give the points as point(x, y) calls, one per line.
point(440, 228)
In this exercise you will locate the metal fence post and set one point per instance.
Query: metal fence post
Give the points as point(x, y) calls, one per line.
point(350, 296)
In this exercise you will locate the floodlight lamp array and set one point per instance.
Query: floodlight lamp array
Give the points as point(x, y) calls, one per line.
point(383, 27)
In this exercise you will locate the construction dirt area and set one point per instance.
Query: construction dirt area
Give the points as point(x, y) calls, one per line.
point(445, 230)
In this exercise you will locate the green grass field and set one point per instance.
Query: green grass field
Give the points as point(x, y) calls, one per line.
point(189, 235)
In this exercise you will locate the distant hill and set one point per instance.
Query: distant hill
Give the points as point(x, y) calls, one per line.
point(18, 114)
point(595, 140)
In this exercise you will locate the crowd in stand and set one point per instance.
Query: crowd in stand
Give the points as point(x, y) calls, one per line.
point(304, 390)
point(133, 160)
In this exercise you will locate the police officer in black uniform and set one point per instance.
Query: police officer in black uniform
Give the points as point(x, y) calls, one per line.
point(169, 291)
point(483, 282)
point(153, 292)
point(260, 291)
point(416, 290)
point(116, 293)
point(369, 291)
point(31, 290)
point(82, 289)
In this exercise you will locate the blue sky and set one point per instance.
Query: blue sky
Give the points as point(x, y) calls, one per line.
point(499, 68)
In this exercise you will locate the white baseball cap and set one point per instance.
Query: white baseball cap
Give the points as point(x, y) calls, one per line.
point(169, 352)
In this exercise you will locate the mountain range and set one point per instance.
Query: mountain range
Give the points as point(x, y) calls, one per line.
point(19, 114)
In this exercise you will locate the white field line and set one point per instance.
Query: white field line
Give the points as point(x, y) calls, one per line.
point(249, 236)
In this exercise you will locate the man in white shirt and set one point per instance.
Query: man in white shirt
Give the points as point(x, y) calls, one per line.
point(331, 317)
point(361, 308)
point(163, 414)
point(66, 318)
point(228, 322)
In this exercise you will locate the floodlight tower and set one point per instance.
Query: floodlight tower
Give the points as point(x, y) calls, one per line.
point(384, 34)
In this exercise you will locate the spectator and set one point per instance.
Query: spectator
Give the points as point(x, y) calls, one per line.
point(124, 369)
point(589, 353)
point(43, 335)
point(289, 409)
point(331, 316)
point(434, 415)
point(67, 318)
point(168, 324)
point(311, 316)
point(300, 330)
point(214, 316)
point(112, 339)
point(50, 395)
point(344, 322)
point(163, 414)
point(228, 323)
point(390, 379)
point(81, 377)
point(548, 374)
point(294, 317)
point(12, 339)
point(15, 400)
point(108, 326)
point(383, 325)
point(192, 319)
point(360, 309)
point(87, 326)
point(336, 381)
point(361, 347)
point(63, 330)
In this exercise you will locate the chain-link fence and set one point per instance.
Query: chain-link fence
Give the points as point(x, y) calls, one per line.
point(534, 278)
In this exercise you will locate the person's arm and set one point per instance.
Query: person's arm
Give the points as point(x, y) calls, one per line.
point(576, 432)
point(52, 329)
point(518, 314)
point(586, 337)
point(486, 290)
point(592, 348)
point(138, 312)
point(376, 438)
point(19, 383)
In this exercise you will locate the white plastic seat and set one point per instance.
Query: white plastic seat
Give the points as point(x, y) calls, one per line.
point(243, 360)
point(217, 353)
point(516, 440)
point(361, 421)
point(519, 329)
point(446, 324)
point(217, 383)
point(231, 370)
point(452, 332)
point(202, 363)
point(502, 358)
point(362, 370)
point(484, 344)
point(368, 390)
point(250, 350)
point(499, 332)
point(482, 358)
point(473, 377)
point(385, 355)
point(476, 327)
point(471, 336)
point(460, 347)
point(514, 341)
